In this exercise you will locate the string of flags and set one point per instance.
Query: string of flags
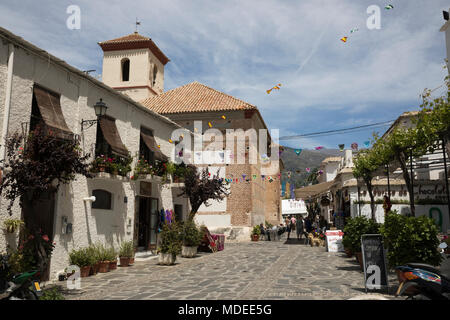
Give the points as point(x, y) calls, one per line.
point(345, 38)
point(277, 87)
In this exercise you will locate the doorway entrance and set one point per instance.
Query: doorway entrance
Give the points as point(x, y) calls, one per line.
point(147, 223)
point(40, 215)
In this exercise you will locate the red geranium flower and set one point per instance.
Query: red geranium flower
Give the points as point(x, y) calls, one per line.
point(45, 237)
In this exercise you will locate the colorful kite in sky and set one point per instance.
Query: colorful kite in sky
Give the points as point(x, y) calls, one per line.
point(277, 87)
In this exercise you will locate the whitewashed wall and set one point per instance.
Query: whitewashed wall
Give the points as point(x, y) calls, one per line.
point(78, 96)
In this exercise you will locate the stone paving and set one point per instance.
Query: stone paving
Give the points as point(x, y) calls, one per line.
point(254, 270)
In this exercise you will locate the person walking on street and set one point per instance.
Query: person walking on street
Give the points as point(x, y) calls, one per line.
point(299, 228)
point(288, 226)
point(293, 223)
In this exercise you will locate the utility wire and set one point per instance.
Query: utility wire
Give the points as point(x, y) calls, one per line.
point(337, 131)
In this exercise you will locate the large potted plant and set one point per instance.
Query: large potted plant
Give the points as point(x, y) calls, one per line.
point(103, 258)
point(191, 239)
point(171, 243)
point(256, 232)
point(410, 239)
point(126, 252)
point(94, 253)
point(82, 259)
point(353, 231)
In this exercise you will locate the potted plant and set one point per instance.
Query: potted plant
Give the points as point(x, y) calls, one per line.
point(353, 231)
point(112, 257)
point(256, 232)
point(103, 257)
point(170, 245)
point(191, 239)
point(126, 252)
point(11, 225)
point(347, 246)
point(93, 251)
point(82, 259)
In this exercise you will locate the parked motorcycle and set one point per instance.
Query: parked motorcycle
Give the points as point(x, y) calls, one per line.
point(24, 286)
point(421, 281)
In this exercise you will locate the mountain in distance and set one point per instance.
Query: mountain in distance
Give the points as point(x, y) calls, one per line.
point(307, 159)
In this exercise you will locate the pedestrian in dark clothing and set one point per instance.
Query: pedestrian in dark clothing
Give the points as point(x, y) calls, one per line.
point(300, 228)
point(308, 225)
point(261, 228)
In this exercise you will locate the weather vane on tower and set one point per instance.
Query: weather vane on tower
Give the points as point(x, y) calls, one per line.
point(138, 23)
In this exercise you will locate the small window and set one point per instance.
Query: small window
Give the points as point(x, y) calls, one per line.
point(125, 69)
point(103, 199)
point(178, 212)
point(155, 72)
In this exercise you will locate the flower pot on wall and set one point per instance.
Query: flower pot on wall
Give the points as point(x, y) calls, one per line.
point(167, 259)
point(255, 237)
point(188, 252)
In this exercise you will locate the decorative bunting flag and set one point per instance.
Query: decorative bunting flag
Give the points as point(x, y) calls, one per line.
point(180, 154)
point(224, 118)
point(354, 30)
point(159, 146)
point(298, 151)
point(243, 176)
point(170, 140)
point(354, 146)
point(289, 174)
point(319, 148)
point(254, 176)
point(308, 170)
point(344, 39)
point(366, 144)
point(341, 147)
point(389, 7)
point(320, 172)
point(209, 124)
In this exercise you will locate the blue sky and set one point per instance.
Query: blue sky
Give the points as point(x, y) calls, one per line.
point(245, 47)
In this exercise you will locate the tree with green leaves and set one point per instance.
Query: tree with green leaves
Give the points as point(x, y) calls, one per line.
point(366, 163)
point(433, 121)
point(403, 144)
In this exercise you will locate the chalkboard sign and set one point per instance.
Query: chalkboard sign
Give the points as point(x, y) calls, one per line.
point(374, 262)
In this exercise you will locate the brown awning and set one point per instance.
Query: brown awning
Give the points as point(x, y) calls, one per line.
point(314, 190)
point(50, 109)
point(112, 137)
point(149, 140)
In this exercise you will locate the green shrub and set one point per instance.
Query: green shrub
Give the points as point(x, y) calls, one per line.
point(191, 234)
point(52, 294)
point(355, 228)
point(81, 257)
point(171, 239)
point(256, 230)
point(126, 249)
point(410, 239)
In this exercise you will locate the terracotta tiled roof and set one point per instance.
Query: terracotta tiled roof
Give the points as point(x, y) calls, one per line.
point(129, 38)
point(134, 41)
point(195, 97)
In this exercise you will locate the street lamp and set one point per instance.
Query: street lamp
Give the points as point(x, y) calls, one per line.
point(100, 111)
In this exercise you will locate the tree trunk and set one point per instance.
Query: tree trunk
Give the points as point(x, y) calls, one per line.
point(401, 157)
point(372, 198)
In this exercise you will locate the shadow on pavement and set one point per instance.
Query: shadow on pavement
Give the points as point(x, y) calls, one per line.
point(294, 241)
point(350, 268)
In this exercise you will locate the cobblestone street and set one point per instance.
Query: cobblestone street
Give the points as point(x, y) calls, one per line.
point(256, 270)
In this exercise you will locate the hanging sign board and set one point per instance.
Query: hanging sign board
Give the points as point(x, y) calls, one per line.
point(374, 262)
point(334, 240)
